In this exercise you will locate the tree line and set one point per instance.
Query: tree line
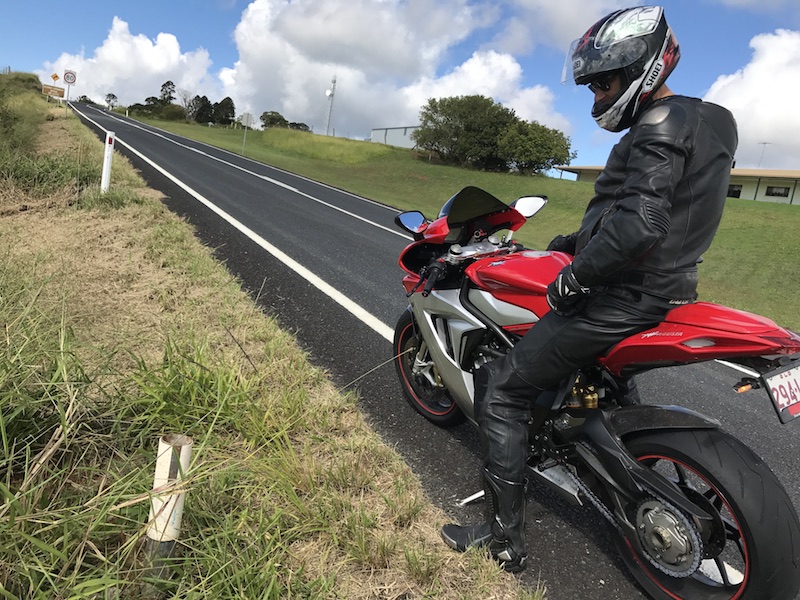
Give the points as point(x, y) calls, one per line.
point(467, 131)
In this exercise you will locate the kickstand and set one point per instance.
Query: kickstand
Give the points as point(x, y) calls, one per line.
point(473, 498)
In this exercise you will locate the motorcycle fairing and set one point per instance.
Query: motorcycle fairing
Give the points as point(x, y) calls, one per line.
point(699, 332)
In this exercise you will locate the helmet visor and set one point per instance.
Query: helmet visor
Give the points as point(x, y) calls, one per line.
point(590, 57)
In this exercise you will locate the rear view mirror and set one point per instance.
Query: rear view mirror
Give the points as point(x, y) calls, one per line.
point(412, 221)
point(528, 206)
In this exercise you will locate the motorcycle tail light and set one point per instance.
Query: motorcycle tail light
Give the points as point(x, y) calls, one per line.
point(699, 343)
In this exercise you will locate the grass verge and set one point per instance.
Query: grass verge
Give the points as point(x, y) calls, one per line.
point(120, 327)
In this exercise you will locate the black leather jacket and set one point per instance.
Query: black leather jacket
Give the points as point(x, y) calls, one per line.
point(658, 203)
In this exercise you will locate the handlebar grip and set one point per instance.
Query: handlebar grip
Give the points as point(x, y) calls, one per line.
point(436, 273)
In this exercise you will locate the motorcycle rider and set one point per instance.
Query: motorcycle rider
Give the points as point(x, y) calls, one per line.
point(656, 208)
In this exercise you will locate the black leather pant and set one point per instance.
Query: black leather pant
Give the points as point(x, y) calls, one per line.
point(507, 388)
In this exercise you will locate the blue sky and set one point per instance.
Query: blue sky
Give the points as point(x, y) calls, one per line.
point(390, 56)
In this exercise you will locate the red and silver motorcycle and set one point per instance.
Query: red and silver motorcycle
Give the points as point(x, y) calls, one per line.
point(693, 512)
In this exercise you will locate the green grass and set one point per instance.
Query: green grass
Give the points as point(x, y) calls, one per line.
point(752, 264)
point(118, 327)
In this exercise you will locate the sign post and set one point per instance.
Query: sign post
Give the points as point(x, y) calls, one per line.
point(247, 121)
point(69, 78)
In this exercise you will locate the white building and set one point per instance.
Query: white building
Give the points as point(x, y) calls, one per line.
point(751, 184)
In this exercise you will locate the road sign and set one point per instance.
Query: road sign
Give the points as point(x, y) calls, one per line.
point(51, 90)
point(55, 77)
point(70, 77)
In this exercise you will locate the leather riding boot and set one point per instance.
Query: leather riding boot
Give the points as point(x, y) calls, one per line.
point(504, 533)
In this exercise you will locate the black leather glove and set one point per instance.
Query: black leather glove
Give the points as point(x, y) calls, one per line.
point(563, 243)
point(564, 294)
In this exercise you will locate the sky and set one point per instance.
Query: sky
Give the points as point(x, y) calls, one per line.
point(389, 57)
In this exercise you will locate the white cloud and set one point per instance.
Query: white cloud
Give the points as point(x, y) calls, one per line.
point(763, 98)
point(133, 67)
point(386, 57)
point(548, 22)
point(495, 75)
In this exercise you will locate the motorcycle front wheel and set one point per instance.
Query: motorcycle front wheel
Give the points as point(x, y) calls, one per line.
point(419, 377)
point(752, 550)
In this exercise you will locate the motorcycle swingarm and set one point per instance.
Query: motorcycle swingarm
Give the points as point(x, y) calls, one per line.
point(614, 466)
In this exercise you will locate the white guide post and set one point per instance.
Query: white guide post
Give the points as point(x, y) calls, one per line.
point(166, 507)
point(105, 179)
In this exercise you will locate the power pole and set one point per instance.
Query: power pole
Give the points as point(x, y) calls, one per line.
point(330, 94)
point(764, 144)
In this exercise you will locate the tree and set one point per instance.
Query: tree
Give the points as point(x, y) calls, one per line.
point(475, 131)
point(111, 100)
point(204, 112)
point(532, 148)
point(172, 112)
point(224, 111)
point(186, 102)
point(85, 100)
point(167, 93)
point(464, 130)
point(273, 119)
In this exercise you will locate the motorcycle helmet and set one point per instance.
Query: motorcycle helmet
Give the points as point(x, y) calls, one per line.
point(634, 43)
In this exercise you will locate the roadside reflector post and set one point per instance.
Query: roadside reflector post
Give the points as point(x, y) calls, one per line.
point(166, 504)
point(105, 179)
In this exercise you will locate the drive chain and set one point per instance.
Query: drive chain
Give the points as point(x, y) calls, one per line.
point(609, 516)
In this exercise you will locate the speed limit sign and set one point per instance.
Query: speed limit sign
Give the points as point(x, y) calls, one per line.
point(70, 77)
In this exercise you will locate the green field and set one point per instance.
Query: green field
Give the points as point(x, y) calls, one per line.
point(752, 264)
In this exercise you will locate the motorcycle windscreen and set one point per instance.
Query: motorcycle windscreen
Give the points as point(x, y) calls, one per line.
point(469, 204)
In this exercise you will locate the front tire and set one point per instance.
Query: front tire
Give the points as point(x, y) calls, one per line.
point(422, 387)
point(753, 552)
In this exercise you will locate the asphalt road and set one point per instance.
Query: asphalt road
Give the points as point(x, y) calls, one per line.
point(324, 262)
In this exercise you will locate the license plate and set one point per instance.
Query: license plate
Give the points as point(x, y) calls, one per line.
point(783, 387)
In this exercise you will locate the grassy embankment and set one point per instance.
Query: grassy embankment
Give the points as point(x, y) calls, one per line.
point(753, 264)
point(118, 327)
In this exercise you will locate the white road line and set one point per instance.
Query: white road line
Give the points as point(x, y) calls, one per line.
point(356, 310)
point(264, 177)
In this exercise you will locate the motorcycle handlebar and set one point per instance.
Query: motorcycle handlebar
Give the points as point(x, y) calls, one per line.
point(435, 272)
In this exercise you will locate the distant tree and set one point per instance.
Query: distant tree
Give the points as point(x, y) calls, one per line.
point(224, 111)
point(533, 148)
point(152, 102)
point(172, 112)
point(299, 126)
point(85, 100)
point(185, 97)
point(139, 108)
point(464, 130)
point(204, 112)
point(273, 119)
point(111, 100)
point(167, 93)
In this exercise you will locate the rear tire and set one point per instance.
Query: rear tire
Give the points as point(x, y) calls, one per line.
point(754, 551)
point(421, 390)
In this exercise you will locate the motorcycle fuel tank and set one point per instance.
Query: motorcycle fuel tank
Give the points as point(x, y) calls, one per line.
point(521, 278)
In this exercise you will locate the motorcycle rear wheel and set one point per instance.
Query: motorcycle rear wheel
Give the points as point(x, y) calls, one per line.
point(421, 389)
point(760, 534)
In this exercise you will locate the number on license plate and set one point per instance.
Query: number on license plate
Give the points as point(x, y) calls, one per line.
point(784, 391)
